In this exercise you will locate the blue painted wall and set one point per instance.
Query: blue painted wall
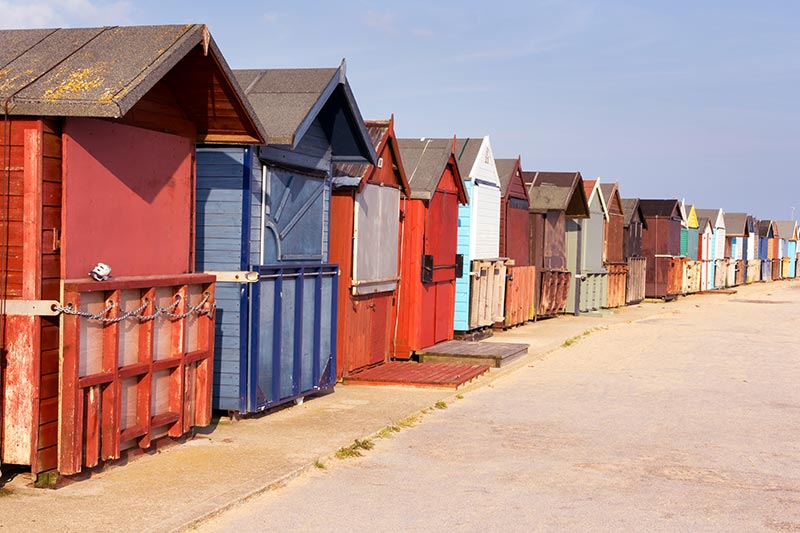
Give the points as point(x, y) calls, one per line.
point(461, 316)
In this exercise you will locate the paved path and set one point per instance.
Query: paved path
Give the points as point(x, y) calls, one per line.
point(687, 420)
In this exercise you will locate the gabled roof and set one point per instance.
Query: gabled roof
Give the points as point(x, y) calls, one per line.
point(787, 229)
point(104, 72)
point(629, 207)
point(592, 188)
point(716, 217)
point(425, 161)
point(765, 227)
point(660, 208)
point(466, 153)
point(691, 217)
point(736, 224)
point(288, 101)
point(703, 222)
point(610, 193)
point(381, 133)
point(505, 170)
point(557, 191)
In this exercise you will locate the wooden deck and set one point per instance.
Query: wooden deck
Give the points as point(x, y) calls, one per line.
point(408, 374)
point(494, 354)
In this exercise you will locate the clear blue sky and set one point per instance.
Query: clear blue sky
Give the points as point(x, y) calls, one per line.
point(673, 99)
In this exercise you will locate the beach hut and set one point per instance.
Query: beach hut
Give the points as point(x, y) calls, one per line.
point(632, 250)
point(98, 146)
point(521, 284)
point(556, 200)
point(585, 254)
point(752, 263)
point(429, 264)
point(480, 287)
point(692, 276)
point(613, 244)
point(705, 253)
point(774, 251)
point(766, 236)
point(661, 244)
point(787, 230)
point(737, 230)
point(719, 266)
point(365, 238)
point(263, 230)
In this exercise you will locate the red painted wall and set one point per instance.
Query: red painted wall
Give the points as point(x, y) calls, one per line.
point(517, 235)
point(426, 309)
point(128, 197)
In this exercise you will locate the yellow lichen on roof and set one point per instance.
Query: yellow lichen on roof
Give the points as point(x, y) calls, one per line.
point(78, 81)
point(7, 81)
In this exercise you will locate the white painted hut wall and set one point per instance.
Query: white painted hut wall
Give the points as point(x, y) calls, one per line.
point(485, 201)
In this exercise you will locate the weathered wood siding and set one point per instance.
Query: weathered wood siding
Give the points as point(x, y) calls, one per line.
point(30, 195)
point(635, 283)
point(520, 295)
point(224, 192)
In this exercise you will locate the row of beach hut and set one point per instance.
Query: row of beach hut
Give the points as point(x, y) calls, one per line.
point(265, 241)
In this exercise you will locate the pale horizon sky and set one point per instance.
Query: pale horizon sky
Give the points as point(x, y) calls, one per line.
point(694, 100)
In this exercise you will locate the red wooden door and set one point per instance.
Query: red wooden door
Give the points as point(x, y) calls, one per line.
point(379, 339)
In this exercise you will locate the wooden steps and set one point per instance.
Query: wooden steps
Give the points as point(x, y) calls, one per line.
point(493, 354)
point(409, 374)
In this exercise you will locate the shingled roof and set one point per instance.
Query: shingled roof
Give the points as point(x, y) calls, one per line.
point(736, 224)
point(505, 171)
point(425, 161)
point(659, 208)
point(104, 72)
point(380, 132)
point(288, 101)
point(557, 191)
point(764, 226)
point(711, 214)
point(787, 229)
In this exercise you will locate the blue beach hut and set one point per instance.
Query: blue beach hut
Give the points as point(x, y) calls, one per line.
point(263, 229)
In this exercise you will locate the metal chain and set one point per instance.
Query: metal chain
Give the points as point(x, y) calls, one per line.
point(136, 313)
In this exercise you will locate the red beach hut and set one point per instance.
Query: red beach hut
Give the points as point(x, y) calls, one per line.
point(98, 149)
point(428, 233)
point(365, 224)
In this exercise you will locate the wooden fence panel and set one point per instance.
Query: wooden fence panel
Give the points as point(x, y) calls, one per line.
point(554, 289)
point(753, 271)
point(617, 284)
point(777, 265)
point(520, 295)
point(635, 283)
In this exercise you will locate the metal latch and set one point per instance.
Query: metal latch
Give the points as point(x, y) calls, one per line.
point(29, 307)
point(236, 276)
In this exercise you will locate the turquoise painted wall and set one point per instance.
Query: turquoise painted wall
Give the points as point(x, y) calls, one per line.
point(461, 316)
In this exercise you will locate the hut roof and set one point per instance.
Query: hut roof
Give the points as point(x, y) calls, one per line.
point(288, 101)
point(660, 208)
point(736, 224)
point(505, 170)
point(425, 161)
point(466, 152)
point(557, 191)
point(787, 229)
point(714, 215)
point(380, 133)
point(629, 207)
point(104, 72)
point(764, 226)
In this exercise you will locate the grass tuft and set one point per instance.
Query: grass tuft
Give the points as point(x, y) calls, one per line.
point(440, 405)
point(354, 450)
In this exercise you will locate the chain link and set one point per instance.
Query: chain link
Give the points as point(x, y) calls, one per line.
point(136, 313)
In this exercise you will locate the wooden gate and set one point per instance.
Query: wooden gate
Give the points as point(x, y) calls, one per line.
point(740, 271)
point(692, 274)
point(292, 334)
point(554, 289)
point(487, 292)
point(786, 267)
point(753, 271)
point(720, 273)
point(520, 295)
point(617, 283)
point(138, 369)
point(777, 267)
point(593, 291)
point(635, 284)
